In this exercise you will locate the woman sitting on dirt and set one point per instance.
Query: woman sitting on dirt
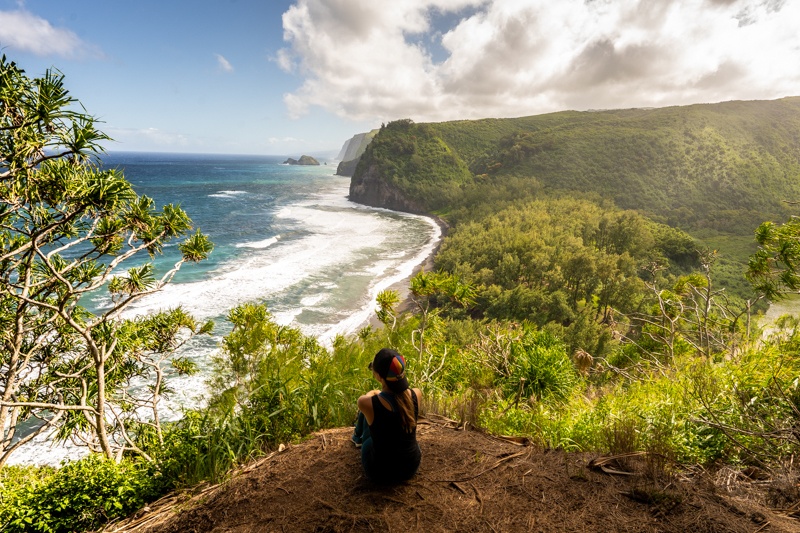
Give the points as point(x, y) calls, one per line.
point(386, 429)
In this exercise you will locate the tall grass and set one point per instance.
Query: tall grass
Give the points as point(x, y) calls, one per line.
point(270, 385)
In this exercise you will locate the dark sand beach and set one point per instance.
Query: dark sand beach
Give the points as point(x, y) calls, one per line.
point(402, 286)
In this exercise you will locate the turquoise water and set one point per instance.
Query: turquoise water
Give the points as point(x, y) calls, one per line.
point(284, 235)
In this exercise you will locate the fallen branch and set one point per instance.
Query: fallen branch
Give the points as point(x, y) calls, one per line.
point(600, 463)
point(477, 497)
point(495, 465)
point(762, 527)
point(456, 485)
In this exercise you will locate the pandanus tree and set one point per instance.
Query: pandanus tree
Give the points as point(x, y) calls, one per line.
point(68, 228)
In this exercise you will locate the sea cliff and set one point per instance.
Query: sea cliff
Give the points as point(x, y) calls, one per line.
point(407, 167)
point(351, 152)
point(370, 188)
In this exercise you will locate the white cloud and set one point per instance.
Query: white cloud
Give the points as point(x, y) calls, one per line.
point(369, 60)
point(223, 63)
point(284, 60)
point(24, 31)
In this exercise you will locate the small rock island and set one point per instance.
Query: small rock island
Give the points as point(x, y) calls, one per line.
point(304, 160)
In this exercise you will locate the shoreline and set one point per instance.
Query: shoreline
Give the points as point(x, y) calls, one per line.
point(402, 287)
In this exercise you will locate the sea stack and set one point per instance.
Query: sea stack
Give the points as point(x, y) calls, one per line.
point(304, 160)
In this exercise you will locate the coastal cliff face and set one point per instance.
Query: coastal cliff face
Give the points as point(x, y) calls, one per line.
point(408, 168)
point(347, 168)
point(351, 152)
point(369, 188)
point(354, 147)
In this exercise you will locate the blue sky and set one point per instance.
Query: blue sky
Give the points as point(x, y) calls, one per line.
point(292, 77)
point(194, 76)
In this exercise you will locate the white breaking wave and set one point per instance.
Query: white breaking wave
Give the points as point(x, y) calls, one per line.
point(338, 234)
point(266, 243)
point(398, 273)
point(309, 301)
point(335, 239)
point(43, 450)
point(226, 194)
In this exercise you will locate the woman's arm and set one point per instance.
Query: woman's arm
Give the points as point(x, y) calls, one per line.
point(365, 405)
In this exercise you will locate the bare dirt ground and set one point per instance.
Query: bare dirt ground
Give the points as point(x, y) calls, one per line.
point(471, 482)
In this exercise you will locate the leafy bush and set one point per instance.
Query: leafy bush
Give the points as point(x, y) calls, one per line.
point(540, 368)
point(79, 496)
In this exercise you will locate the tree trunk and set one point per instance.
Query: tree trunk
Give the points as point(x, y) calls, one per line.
point(102, 435)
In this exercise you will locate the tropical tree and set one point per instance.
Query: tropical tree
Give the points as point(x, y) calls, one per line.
point(774, 270)
point(66, 227)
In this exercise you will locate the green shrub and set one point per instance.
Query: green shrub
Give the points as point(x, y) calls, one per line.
point(540, 368)
point(81, 495)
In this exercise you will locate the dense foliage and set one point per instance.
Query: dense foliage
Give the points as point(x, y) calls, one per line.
point(80, 496)
point(566, 262)
point(728, 166)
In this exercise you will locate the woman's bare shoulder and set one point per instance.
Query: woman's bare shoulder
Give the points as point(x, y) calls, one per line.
point(366, 399)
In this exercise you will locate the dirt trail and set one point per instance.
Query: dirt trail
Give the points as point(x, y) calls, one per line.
point(467, 482)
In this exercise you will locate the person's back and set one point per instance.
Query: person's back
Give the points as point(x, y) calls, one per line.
point(395, 450)
point(386, 428)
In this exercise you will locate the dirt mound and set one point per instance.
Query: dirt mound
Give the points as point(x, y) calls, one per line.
point(467, 482)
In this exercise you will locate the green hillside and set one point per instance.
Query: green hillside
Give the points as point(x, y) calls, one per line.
point(715, 171)
point(725, 166)
point(415, 161)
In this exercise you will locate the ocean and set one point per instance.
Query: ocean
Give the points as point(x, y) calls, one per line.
point(284, 235)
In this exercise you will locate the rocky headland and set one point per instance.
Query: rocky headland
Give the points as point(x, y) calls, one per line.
point(351, 152)
point(370, 188)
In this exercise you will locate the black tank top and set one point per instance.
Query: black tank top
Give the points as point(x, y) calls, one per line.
point(396, 453)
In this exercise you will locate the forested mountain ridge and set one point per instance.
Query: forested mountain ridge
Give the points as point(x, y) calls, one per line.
point(726, 166)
